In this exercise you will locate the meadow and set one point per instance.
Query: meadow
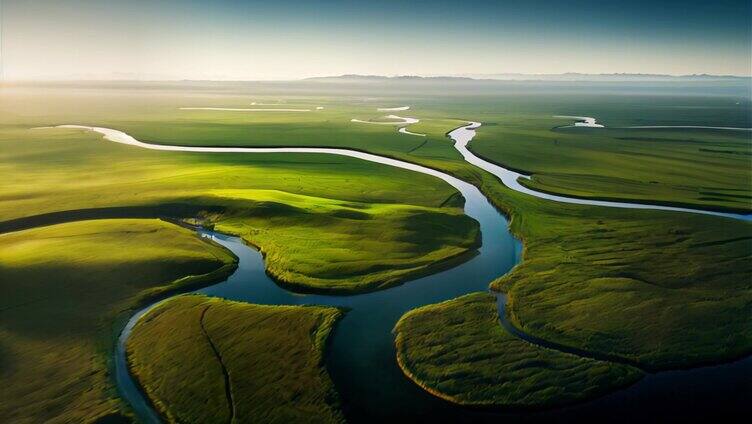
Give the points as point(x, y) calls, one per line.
point(459, 351)
point(636, 284)
point(234, 361)
point(647, 286)
point(66, 290)
point(320, 206)
point(326, 223)
point(707, 169)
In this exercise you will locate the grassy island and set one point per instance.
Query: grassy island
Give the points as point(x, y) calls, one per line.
point(459, 351)
point(205, 359)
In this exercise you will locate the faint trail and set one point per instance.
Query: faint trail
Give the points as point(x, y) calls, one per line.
point(418, 146)
point(501, 306)
point(225, 373)
point(399, 120)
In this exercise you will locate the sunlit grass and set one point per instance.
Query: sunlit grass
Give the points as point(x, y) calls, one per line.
point(65, 290)
point(459, 351)
point(203, 359)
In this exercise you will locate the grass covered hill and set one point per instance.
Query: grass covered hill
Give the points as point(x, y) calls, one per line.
point(66, 290)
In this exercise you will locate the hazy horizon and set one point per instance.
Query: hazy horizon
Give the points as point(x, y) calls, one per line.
point(291, 40)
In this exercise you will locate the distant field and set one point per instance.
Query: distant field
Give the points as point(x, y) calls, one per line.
point(696, 168)
point(203, 359)
point(65, 292)
point(458, 350)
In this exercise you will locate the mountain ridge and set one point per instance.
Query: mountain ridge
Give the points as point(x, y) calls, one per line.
point(563, 77)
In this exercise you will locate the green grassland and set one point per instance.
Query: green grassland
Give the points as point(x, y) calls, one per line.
point(204, 359)
point(459, 351)
point(649, 286)
point(65, 291)
point(697, 168)
point(417, 241)
point(325, 223)
point(155, 116)
point(628, 260)
point(700, 168)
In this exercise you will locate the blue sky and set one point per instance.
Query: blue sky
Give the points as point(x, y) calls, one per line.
point(286, 39)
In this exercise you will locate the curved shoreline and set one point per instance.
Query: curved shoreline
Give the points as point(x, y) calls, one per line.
point(590, 122)
point(400, 120)
point(143, 405)
point(392, 109)
point(582, 121)
point(123, 138)
point(404, 130)
point(461, 136)
point(746, 216)
point(446, 263)
point(510, 179)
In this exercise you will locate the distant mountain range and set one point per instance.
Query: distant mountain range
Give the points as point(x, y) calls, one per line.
point(378, 78)
point(569, 76)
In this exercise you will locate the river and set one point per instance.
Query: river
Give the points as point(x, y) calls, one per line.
point(362, 359)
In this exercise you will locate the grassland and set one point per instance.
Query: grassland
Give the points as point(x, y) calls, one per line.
point(65, 289)
point(459, 351)
point(701, 168)
point(318, 252)
point(204, 359)
point(325, 223)
point(649, 286)
point(628, 260)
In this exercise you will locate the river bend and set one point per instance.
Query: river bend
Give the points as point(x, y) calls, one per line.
point(362, 357)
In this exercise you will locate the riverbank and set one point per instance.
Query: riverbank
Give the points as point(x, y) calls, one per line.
point(60, 320)
point(567, 210)
point(282, 347)
point(457, 350)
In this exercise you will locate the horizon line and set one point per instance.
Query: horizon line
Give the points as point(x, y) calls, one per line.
point(462, 76)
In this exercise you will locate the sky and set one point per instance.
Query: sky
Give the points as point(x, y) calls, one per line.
point(285, 39)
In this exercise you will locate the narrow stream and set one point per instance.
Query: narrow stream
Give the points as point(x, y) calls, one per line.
point(362, 358)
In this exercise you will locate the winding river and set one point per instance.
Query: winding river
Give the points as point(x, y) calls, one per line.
point(361, 358)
